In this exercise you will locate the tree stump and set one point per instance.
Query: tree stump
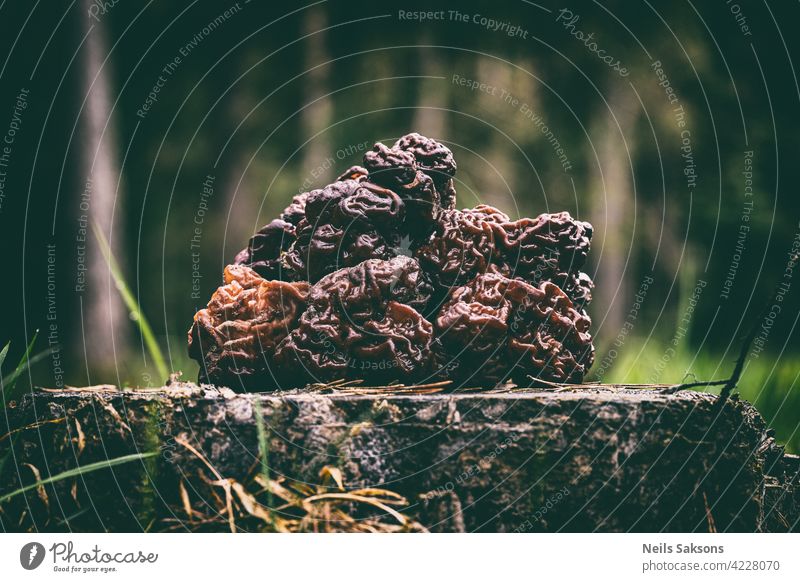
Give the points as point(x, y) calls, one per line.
point(592, 458)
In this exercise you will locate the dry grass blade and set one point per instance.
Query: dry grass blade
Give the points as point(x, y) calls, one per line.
point(32, 426)
point(95, 388)
point(81, 438)
point(712, 527)
point(334, 474)
point(221, 482)
point(402, 519)
point(257, 510)
point(184, 443)
point(549, 384)
point(40, 490)
point(354, 388)
point(115, 415)
point(301, 507)
point(341, 383)
point(227, 485)
point(187, 504)
point(385, 496)
point(280, 491)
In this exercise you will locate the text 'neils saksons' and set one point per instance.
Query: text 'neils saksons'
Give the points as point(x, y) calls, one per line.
point(664, 548)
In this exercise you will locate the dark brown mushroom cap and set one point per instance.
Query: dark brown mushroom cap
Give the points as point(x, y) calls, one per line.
point(345, 223)
point(235, 336)
point(495, 328)
point(361, 322)
point(434, 159)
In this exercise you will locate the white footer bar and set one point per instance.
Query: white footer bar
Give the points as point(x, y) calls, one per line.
point(401, 557)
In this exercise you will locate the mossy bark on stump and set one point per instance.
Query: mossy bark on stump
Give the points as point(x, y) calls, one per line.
point(590, 459)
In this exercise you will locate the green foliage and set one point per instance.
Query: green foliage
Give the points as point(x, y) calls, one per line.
point(772, 385)
point(77, 472)
point(263, 451)
point(9, 382)
point(133, 305)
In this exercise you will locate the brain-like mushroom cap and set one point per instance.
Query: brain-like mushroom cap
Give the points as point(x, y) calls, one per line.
point(550, 247)
point(463, 245)
point(345, 223)
point(398, 170)
point(385, 250)
point(353, 173)
point(434, 159)
point(495, 328)
point(362, 321)
point(264, 249)
point(235, 336)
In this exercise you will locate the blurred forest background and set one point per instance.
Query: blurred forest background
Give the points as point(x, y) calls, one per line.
point(180, 128)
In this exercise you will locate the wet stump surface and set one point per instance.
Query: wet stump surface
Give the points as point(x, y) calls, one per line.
point(589, 459)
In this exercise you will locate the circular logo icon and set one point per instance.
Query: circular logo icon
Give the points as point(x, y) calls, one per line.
point(31, 555)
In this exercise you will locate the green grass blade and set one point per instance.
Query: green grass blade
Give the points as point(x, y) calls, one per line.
point(4, 459)
point(13, 376)
point(4, 353)
point(77, 471)
point(263, 449)
point(25, 362)
point(132, 304)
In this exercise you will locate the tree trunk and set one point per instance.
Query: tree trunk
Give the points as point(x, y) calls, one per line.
point(106, 326)
point(590, 459)
point(612, 204)
point(429, 115)
point(316, 118)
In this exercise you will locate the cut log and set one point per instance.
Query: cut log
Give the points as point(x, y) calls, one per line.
point(592, 458)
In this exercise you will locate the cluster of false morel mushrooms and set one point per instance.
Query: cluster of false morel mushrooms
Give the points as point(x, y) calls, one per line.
point(377, 277)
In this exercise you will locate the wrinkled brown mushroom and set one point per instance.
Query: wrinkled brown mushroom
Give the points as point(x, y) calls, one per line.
point(234, 337)
point(495, 328)
point(391, 283)
point(345, 223)
point(550, 247)
point(363, 322)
